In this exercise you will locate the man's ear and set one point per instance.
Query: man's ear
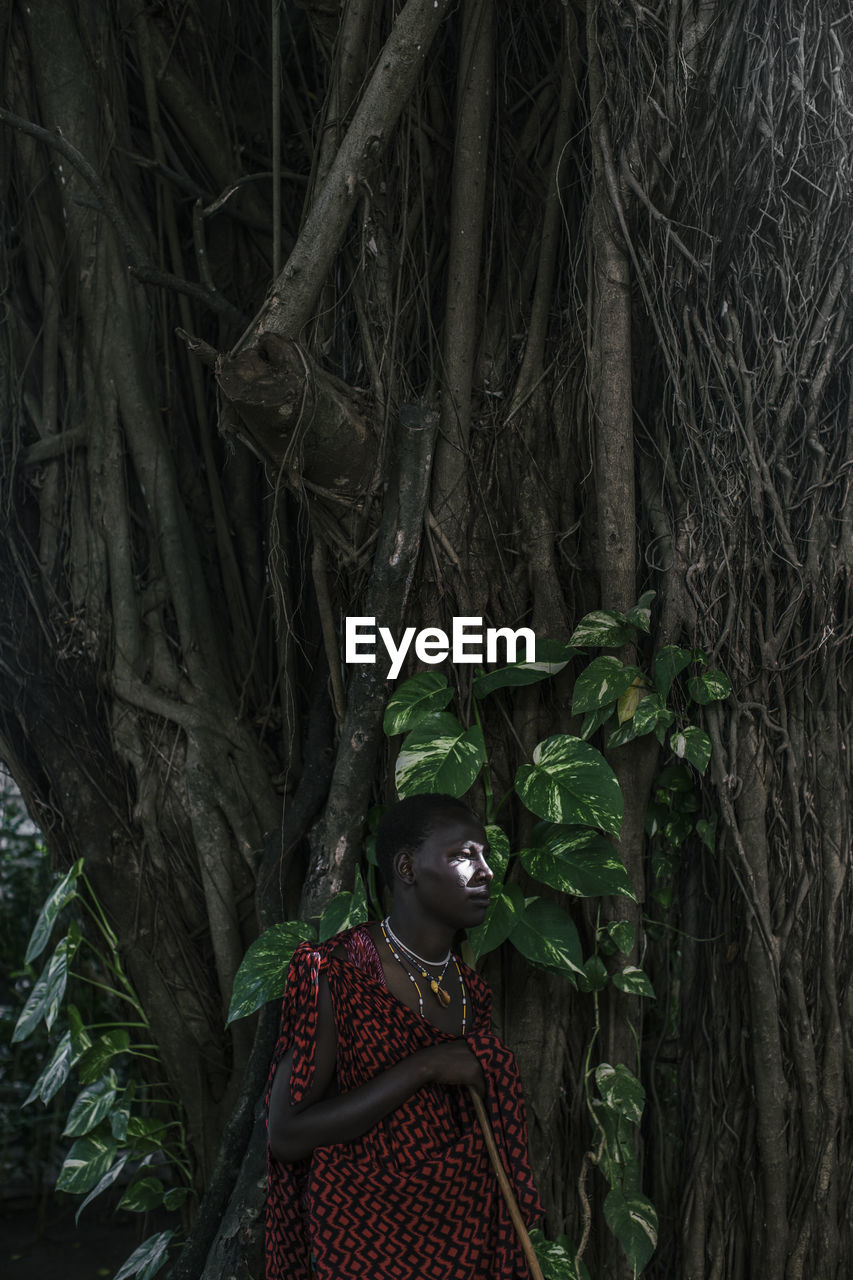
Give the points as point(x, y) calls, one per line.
point(404, 865)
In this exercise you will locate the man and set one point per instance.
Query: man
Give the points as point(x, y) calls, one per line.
point(377, 1168)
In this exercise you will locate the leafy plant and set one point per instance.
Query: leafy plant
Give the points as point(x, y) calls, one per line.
point(570, 786)
point(616, 1111)
point(27, 1149)
point(120, 1120)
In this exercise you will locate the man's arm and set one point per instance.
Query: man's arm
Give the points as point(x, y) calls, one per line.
point(324, 1117)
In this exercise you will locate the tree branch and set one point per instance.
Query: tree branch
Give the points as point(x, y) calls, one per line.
point(337, 842)
point(295, 292)
point(449, 501)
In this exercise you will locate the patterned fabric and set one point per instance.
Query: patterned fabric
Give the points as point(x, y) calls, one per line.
point(415, 1198)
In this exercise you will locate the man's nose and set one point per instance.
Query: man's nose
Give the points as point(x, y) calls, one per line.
point(484, 871)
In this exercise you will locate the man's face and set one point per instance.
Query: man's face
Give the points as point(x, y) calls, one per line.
point(451, 872)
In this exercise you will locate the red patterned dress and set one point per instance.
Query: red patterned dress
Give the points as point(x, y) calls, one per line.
point(415, 1198)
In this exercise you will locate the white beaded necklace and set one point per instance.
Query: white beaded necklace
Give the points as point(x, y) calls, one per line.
point(386, 924)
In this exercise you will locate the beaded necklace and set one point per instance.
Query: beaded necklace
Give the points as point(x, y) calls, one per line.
point(386, 924)
point(442, 996)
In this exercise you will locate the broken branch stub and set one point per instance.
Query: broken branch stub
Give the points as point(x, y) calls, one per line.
point(298, 419)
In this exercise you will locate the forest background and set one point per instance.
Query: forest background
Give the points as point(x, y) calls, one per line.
point(416, 311)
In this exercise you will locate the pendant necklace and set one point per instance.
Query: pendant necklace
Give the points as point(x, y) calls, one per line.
point(418, 963)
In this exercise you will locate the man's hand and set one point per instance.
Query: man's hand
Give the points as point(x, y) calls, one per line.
point(455, 1063)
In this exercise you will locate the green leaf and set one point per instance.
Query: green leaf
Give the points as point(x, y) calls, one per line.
point(663, 894)
point(621, 1091)
point(344, 911)
point(633, 1221)
point(546, 935)
point(651, 714)
point(570, 782)
point(146, 1127)
point(594, 720)
point(641, 614)
point(95, 1060)
point(677, 828)
point(147, 1260)
point(664, 862)
point(142, 1195)
point(710, 686)
point(106, 1181)
point(46, 996)
point(439, 755)
point(618, 935)
point(623, 733)
point(80, 1038)
point(55, 1074)
point(175, 1197)
point(91, 1106)
point(119, 1120)
point(692, 744)
point(617, 1152)
point(575, 860)
point(595, 976)
point(58, 898)
point(557, 1257)
point(706, 830)
point(675, 777)
point(669, 662)
point(263, 969)
point(505, 909)
point(551, 657)
point(146, 1135)
point(603, 628)
point(415, 698)
point(633, 982)
point(602, 683)
point(686, 801)
point(498, 854)
point(86, 1163)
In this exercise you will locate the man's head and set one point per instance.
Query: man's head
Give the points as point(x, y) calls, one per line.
point(404, 827)
point(433, 853)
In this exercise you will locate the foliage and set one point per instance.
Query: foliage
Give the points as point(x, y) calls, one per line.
point(262, 973)
point(24, 881)
point(557, 1258)
point(571, 786)
point(121, 1121)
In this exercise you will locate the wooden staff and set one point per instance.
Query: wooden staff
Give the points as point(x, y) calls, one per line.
point(506, 1187)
